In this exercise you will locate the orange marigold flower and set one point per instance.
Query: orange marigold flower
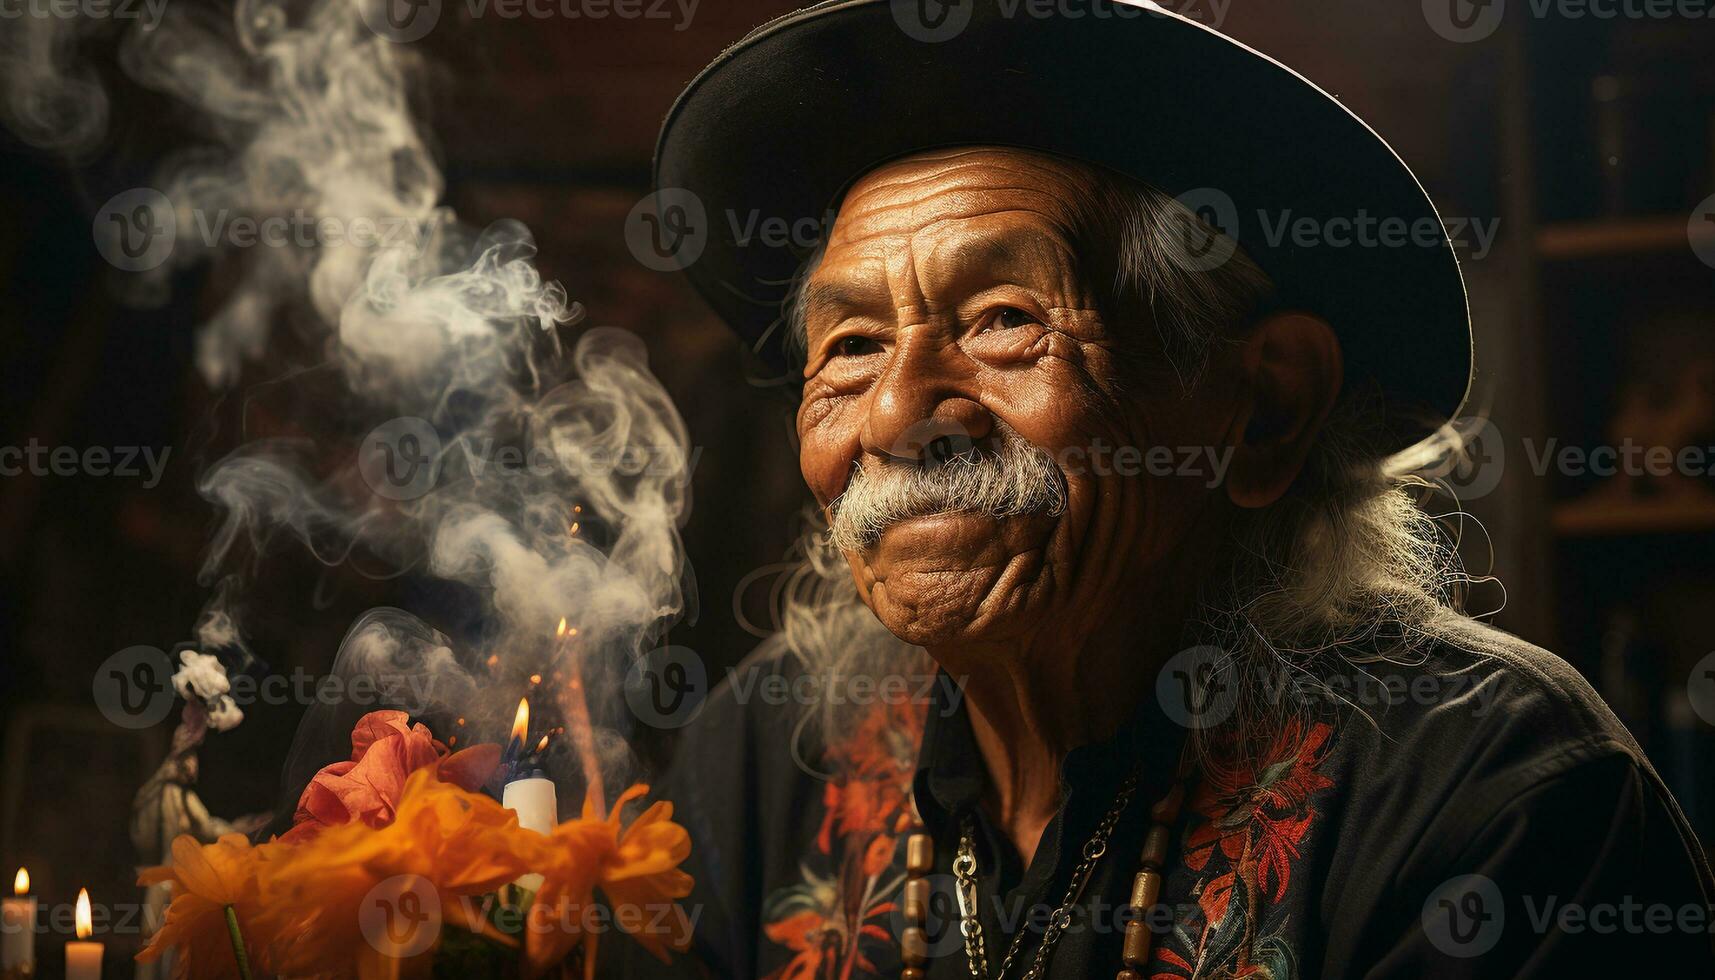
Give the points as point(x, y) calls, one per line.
point(637, 869)
point(205, 879)
point(327, 896)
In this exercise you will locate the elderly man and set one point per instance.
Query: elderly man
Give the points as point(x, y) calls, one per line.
point(1125, 650)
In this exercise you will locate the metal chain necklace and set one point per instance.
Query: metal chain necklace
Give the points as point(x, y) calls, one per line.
point(970, 924)
point(1145, 893)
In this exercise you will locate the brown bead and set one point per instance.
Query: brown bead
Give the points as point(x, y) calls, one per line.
point(919, 854)
point(914, 946)
point(1128, 974)
point(1138, 939)
point(1145, 891)
point(1167, 810)
point(917, 901)
point(911, 973)
point(1155, 847)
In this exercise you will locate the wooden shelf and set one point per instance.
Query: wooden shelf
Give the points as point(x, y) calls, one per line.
point(1618, 237)
point(1598, 519)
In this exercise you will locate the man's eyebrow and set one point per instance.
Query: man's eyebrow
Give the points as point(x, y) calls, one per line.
point(837, 294)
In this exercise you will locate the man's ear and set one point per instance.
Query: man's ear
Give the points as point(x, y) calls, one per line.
point(1293, 367)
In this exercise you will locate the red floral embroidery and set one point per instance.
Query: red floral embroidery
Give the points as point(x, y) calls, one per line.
point(867, 806)
point(1251, 821)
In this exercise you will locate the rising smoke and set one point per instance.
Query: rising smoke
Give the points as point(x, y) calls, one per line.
point(444, 336)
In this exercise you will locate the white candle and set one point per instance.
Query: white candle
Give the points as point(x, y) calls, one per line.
point(18, 929)
point(533, 800)
point(83, 958)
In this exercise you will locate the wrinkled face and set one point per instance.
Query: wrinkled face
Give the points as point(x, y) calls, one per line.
point(951, 306)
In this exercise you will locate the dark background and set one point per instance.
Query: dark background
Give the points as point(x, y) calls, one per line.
point(1588, 139)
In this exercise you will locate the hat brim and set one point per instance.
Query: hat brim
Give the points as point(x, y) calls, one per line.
point(763, 141)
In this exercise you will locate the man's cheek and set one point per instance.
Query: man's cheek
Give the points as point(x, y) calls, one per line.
point(825, 469)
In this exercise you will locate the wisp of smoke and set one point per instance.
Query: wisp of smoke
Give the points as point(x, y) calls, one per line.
point(558, 475)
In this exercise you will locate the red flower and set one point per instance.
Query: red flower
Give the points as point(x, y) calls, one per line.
point(1263, 809)
point(385, 749)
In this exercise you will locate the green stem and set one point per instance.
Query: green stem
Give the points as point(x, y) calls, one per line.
point(237, 943)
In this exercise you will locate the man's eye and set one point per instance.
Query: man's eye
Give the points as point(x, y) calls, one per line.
point(1010, 317)
point(855, 346)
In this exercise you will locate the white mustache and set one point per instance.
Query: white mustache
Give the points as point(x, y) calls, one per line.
point(1017, 478)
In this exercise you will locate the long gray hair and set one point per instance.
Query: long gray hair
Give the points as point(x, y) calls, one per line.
point(1346, 567)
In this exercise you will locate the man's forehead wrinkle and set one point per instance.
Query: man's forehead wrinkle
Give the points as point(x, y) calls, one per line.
point(1044, 212)
point(977, 167)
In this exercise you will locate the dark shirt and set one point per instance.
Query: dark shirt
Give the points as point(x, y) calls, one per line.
point(1479, 813)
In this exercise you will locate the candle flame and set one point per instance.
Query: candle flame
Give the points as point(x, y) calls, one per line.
point(561, 631)
point(84, 928)
point(21, 882)
point(542, 744)
point(521, 721)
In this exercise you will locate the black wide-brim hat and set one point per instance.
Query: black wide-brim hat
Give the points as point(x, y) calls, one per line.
point(762, 144)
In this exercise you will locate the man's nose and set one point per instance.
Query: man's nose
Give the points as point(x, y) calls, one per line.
point(922, 410)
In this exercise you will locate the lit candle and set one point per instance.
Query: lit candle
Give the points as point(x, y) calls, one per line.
point(532, 796)
point(18, 929)
point(83, 958)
